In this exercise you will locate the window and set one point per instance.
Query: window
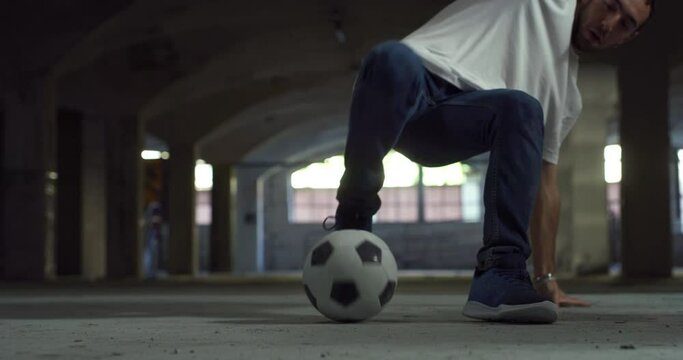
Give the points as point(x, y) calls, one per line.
point(312, 205)
point(203, 183)
point(450, 193)
point(399, 204)
point(314, 189)
point(443, 203)
point(442, 192)
point(399, 193)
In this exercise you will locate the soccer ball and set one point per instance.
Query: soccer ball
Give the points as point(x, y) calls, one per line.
point(350, 275)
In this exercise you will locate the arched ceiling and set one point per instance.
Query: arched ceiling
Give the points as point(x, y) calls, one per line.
point(35, 35)
point(248, 60)
point(215, 71)
point(322, 138)
point(211, 20)
point(313, 110)
point(186, 68)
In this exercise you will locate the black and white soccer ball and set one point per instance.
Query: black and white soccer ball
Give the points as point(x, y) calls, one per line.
point(350, 275)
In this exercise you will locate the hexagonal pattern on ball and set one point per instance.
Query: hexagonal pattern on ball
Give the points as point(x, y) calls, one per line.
point(321, 254)
point(369, 252)
point(387, 293)
point(344, 292)
point(311, 297)
point(351, 281)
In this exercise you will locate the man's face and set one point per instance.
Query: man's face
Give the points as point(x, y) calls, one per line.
point(602, 24)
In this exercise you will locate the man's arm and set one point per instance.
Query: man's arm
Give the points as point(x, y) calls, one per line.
point(543, 232)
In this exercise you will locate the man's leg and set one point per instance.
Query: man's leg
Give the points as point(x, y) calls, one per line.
point(388, 92)
point(509, 124)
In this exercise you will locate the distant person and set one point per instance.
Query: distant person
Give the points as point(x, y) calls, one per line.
point(486, 75)
point(153, 239)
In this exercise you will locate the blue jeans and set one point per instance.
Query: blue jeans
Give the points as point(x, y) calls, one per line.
point(398, 104)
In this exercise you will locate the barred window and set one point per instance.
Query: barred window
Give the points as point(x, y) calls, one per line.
point(399, 204)
point(443, 203)
point(312, 205)
point(450, 193)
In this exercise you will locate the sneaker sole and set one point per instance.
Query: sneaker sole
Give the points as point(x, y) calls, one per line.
point(537, 313)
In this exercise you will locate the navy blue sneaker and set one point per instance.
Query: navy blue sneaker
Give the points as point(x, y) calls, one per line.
point(348, 220)
point(507, 295)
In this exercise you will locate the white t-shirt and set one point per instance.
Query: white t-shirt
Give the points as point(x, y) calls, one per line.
point(510, 44)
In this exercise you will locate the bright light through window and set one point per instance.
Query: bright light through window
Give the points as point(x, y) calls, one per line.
point(613, 164)
point(451, 193)
point(203, 176)
point(322, 175)
point(398, 172)
point(450, 175)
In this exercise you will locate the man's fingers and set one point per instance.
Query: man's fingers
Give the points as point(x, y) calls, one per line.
point(570, 301)
point(553, 290)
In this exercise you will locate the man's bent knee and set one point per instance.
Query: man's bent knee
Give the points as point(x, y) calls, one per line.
point(393, 61)
point(524, 108)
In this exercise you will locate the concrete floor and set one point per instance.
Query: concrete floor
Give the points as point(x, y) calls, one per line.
point(217, 320)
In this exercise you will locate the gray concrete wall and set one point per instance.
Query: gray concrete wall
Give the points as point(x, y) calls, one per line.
point(583, 245)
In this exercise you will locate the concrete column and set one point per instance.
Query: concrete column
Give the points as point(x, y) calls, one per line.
point(124, 200)
point(183, 245)
point(93, 199)
point(645, 190)
point(246, 228)
point(68, 213)
point(221, 219)
point(28, 151)
point(81, 196)
point(583, 244)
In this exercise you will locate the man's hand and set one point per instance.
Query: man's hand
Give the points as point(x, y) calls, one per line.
point(543, 232)
point(552, 290)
